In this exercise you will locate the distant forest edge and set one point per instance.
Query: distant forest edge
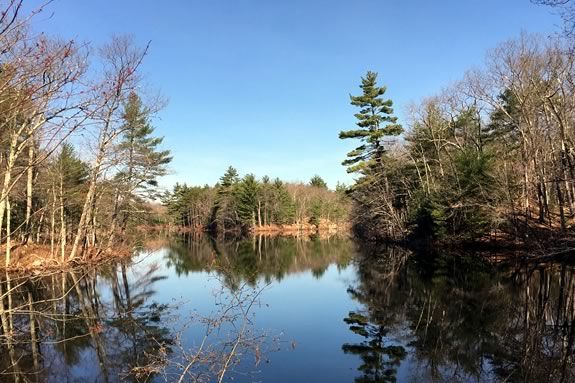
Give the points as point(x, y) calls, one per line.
point(245, 204)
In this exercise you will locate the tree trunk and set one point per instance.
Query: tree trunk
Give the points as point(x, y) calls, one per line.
point(8, 232)
point(30, 177)
point(53, 221)
point(7, 178)
point(63, 231)
point(6, 319)
point(40, 225)
point(259, 214)
point(33, 334)
point(85, 217)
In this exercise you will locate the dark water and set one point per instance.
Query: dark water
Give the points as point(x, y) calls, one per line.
point(291, 310)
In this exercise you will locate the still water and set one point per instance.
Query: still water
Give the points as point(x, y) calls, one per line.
point(290, 310)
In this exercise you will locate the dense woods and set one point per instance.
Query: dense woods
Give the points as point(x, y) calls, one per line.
point(240, 204)
point(78, 156)
point(491, 154)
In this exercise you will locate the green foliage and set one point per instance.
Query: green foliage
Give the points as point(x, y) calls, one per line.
point(235, 203)
point(68, 174)
point(144, 161)
point(429, 218)
point(247, 199)
point(70, 168)
point(223, 210)
point(318, 182)
point(375, 122)
point(503, 126)
point(440, 184)
point(189, 205)
point(315, 211)
point(283, 211)
point(380, 359)
point(464, 211)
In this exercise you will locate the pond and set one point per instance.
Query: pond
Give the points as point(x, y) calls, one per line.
point(283, 309)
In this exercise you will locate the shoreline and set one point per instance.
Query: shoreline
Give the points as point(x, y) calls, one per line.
point(288, 229)
point(35, 259)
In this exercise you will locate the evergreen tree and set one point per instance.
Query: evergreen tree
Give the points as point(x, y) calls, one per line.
point(503, 128)
point(284, 208)
point(69, 175)
point(228, 180)
point(375, 122)
point(316, 211)
point(223, 210)
point(341, 189)
point(70, 170)
point(144, 162)
point(247, 199)
point(266, 200)
point(318, 182)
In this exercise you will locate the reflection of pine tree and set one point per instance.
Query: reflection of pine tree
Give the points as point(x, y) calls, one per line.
point(380, 362)
point(146, 337)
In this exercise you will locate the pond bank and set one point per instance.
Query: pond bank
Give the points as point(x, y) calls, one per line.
point(35, 259)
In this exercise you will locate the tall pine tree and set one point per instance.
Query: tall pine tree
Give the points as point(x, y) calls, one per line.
point(142, 161)
point(223, 213)
point(375, 122)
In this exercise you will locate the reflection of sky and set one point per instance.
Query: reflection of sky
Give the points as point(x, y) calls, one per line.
point(303, 310)
point(306, 311)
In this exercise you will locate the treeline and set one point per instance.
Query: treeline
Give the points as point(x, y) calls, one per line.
point(492, 154)
point(78, 158)
point(245, 203)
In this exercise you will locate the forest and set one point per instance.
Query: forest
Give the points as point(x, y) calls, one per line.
point(240, 204)
point(79, 160)
point(491, 156)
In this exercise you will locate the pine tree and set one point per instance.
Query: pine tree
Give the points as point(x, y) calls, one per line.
point(318, 182)
point(70, 170)
point(68, 176)
point(247, 199)
point(142, 161)
point(284, 208)
point(375, 122)
point(223, 210)
point(503, 128)
point(266, 200)
point(229, 179)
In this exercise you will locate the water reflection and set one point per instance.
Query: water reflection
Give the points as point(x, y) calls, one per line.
point(453, 318)
point(259, 257)
point(396, 316)
point(52, 323)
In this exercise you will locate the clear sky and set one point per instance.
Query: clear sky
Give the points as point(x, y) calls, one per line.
point(264, 85)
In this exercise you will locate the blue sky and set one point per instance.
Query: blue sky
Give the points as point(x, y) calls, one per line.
point(264, 85)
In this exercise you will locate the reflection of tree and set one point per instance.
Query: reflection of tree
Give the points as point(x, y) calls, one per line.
point(102, 325)
point(461, 318)
point(51, 324)
point(141, 334)
point(258, 257)
point(379, 361)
